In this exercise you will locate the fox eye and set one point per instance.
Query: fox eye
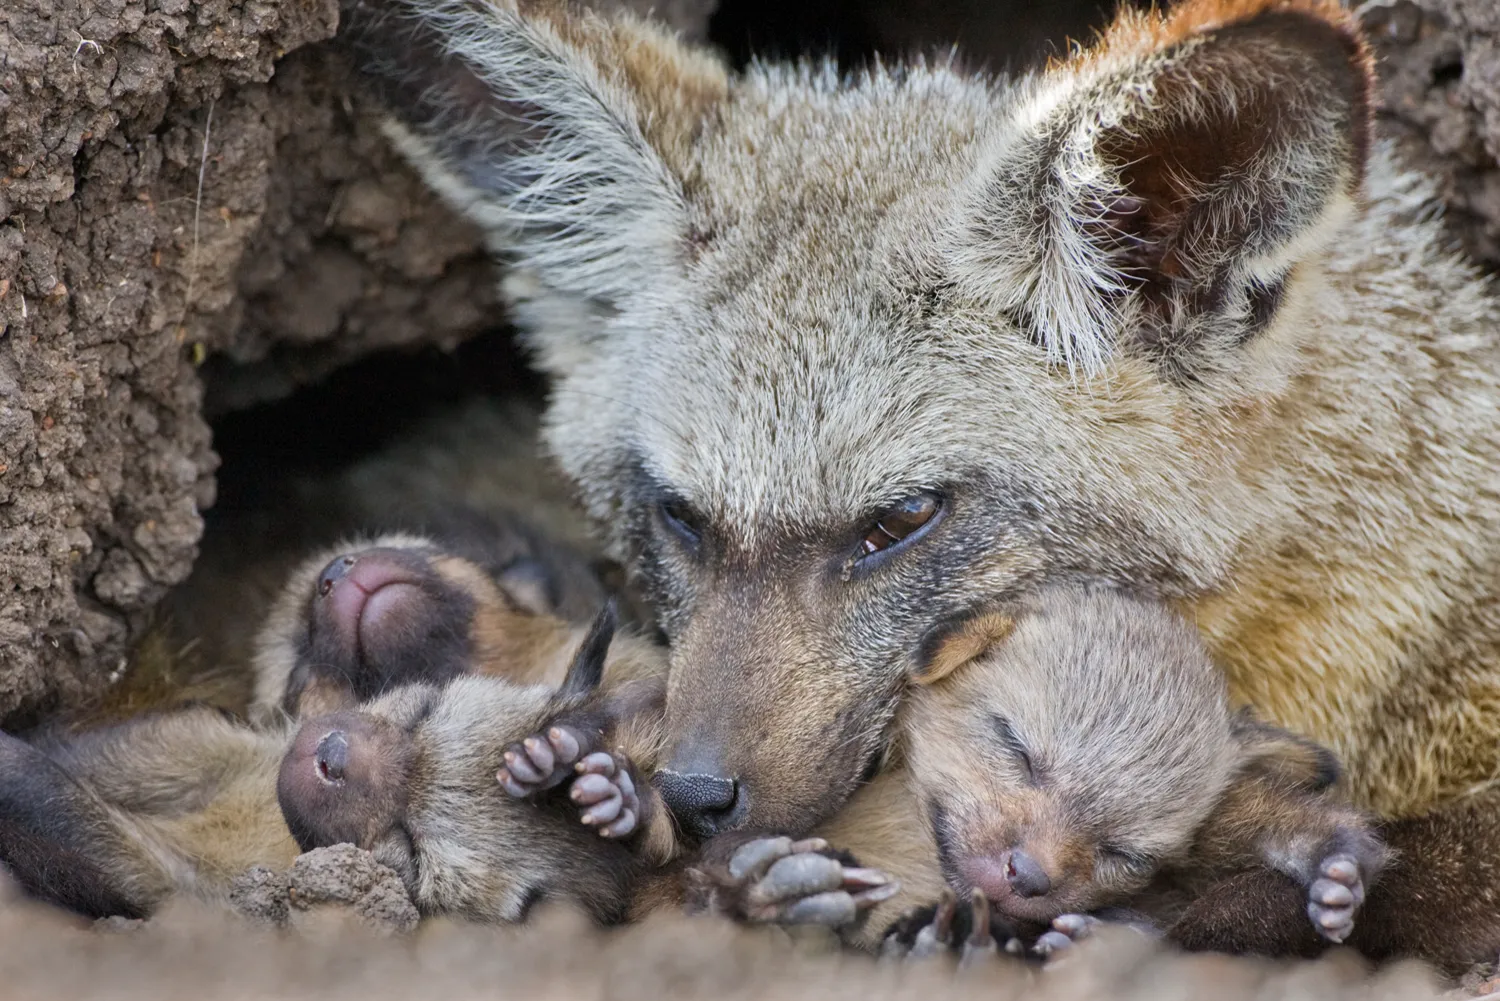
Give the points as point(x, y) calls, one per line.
point(682, 520)
point(905, 522)
point(1006, 735)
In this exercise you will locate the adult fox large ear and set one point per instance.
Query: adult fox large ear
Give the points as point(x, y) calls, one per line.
point(1156, 191)
point(563, 133)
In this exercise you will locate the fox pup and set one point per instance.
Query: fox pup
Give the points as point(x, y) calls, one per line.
point(1088, 760)
point(202, 645)
point(353, 621)
point(185, 801)
point(431, 706)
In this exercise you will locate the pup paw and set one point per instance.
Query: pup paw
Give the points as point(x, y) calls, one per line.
point(544, 760)
point(1066, 931)
point(946, 928)
point(1335, 895)
point(605, 792)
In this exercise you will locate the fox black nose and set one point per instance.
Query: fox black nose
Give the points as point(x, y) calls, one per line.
point(1026, 877)
point(704, 804)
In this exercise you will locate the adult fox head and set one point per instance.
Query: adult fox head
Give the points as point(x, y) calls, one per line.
point(838, 362)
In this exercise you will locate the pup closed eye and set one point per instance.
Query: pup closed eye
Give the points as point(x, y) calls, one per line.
point(1126, 858)
point(1005, 735)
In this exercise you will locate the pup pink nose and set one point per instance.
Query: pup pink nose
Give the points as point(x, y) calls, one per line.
point(1011, 874)
point(1026, 877)
point(332, 757)
point(357, 590)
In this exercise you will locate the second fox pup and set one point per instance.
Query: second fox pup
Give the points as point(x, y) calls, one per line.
point(354, 620)
point(1089, 759)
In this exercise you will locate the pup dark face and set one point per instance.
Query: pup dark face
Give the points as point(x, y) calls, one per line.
point(411, 778)
point(1065, 766)
point(378, 611)
point(345, 780)
point(405, 609)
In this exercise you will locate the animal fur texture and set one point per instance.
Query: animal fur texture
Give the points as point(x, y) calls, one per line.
point(1108, 691)
point(1163, 316)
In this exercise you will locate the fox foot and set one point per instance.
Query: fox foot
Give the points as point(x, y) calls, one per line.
point(545, 760)
point(781, 881)
point(605, 791)
point(1335, 895)
point(947, 927)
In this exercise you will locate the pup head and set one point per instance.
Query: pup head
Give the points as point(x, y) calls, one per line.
point(1064, 766)
point(410, 777)
point(355, 621)
point(836, 361)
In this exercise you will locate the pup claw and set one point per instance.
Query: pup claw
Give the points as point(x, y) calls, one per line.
point(541, 761)
point(937, 936)
point(793, 882)
point(752, 859)
point(564, 744)
point(833, 910)
point(620, 828)
point(797, 876)
point(1067, 930)
point(605, 788)
point(540, 753)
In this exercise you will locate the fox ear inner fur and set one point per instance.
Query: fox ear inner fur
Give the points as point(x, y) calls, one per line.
point(531, 119)
point(1156, 191)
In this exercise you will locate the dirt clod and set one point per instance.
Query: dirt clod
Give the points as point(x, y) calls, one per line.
point(325, 887)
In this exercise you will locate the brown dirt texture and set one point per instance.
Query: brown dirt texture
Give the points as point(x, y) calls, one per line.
point(1439, 65)
point(196, 216)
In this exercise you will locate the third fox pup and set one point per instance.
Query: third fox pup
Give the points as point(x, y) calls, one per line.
point(839, 362)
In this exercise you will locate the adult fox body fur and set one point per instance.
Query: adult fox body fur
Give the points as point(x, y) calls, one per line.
point(837, 362)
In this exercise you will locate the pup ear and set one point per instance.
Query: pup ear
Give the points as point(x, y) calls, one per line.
point(586, 669)
point(564, 134)
point(954, 643)
point(1283, 756)
point(1157, 190)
